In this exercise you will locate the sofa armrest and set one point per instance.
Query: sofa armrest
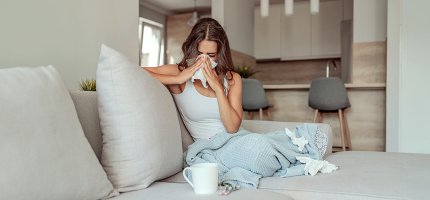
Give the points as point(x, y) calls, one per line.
point(259, 126)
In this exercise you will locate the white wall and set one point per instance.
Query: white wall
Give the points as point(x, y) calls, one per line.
point(237, 18)
point(217, 11)
point(239, 25)
point(66, 34)
point(393, 72)
point(411, 65)
point(370, 20)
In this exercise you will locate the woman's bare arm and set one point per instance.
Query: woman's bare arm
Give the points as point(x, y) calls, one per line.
point(230, 106)
point(166, 74)
point(171, 75)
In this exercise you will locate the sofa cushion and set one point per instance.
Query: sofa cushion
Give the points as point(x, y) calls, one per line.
point(86, 106)
point(43, 150)
point(183, 191)
point(362, 175)
point(141, 132)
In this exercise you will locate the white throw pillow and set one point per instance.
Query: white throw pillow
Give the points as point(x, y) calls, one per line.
point(141, 132)
point(43, 151)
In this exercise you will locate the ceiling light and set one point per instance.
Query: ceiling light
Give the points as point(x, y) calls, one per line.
point(194, 17)
point(288, 7)
point(315, 7)
point(264, 8)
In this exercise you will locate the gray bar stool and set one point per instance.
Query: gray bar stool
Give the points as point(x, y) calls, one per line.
point(330, 95)
point(254, 98)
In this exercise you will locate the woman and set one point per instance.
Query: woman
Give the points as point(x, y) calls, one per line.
point(211, 114)
point(217, 108)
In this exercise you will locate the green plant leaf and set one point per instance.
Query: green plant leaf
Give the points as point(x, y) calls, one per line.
point(88, 85)
point(245, 71)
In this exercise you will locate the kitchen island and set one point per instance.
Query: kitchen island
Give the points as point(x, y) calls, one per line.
point(366, 117)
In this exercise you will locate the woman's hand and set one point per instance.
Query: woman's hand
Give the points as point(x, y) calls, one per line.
point(188, 72)
point(212, 77)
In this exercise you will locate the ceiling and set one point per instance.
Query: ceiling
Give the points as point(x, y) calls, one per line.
point(182, 6)
point(177, 6)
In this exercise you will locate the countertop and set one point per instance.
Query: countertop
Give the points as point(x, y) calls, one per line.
point(360, 86)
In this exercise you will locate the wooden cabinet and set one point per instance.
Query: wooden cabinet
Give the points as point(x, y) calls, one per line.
point(267, 33)
point(301, 35)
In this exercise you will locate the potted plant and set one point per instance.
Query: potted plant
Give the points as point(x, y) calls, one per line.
point(245, 71)
point(88, 85)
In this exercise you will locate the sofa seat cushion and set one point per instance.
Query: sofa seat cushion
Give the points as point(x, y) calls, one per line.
point(362, 175)
point(183, 191)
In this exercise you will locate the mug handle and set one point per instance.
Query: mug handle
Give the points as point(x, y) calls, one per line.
point(185, 176)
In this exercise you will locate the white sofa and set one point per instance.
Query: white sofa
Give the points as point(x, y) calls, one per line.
point(51, 148)
point(361, 175)
point(51, 145)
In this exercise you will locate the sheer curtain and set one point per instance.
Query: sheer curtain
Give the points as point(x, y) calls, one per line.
point(151, 38)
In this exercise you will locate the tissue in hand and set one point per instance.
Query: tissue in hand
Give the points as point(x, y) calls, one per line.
point(199, 73)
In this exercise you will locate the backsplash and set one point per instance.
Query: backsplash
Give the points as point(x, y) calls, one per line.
point(369, 62)
point(294, 72)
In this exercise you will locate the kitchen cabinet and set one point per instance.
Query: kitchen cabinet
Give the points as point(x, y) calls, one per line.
point(267, 33)
point(301, 35)
point(326, 31)
point(296, 33)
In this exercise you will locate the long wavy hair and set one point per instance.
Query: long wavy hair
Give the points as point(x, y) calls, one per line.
point(208, 29)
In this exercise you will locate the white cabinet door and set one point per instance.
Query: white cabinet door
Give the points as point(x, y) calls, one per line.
point(326, 31)
point(267, 33)
point(296, 33)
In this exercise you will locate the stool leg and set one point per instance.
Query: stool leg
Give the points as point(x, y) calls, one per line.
point(261, 114)
point(316, 115)
point(249, 115)
point(268, 114)
point(342, 133)
point(320, 117)
point(348, 135)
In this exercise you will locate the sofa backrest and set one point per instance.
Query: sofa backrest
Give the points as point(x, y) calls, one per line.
point(87, 109)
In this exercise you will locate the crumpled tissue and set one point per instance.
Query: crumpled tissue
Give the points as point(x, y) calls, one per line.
point(312, 166)
point(300, 142)
point(199, 73)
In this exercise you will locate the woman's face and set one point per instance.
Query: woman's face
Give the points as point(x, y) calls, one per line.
point(209, 48)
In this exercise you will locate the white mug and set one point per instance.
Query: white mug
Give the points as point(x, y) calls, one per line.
point(204, 177)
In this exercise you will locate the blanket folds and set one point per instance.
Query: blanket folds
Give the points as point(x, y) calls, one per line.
point(245, 157)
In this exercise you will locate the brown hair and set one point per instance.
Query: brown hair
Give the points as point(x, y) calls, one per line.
point(208, 29)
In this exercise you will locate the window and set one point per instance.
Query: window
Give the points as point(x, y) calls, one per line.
point(151, 38)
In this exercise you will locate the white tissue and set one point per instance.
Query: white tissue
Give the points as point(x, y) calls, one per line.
point(313, 166)
point(300, 142)
point(199, 73)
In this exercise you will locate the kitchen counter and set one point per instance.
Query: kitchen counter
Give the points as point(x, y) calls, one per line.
point(365, 86)
point(366, 116)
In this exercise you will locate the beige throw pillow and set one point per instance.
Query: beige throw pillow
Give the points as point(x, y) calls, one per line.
point(141, 133)
point(43, 151)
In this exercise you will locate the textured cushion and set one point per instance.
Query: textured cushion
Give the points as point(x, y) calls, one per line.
point(141, 132)
point(183, 191)
point(43, 150)
point(86, 106)
point(362, 175)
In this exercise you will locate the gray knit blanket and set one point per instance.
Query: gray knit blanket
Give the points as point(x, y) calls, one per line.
point(244, 157)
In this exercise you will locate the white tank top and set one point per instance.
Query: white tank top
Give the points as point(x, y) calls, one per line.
point(200, 113)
